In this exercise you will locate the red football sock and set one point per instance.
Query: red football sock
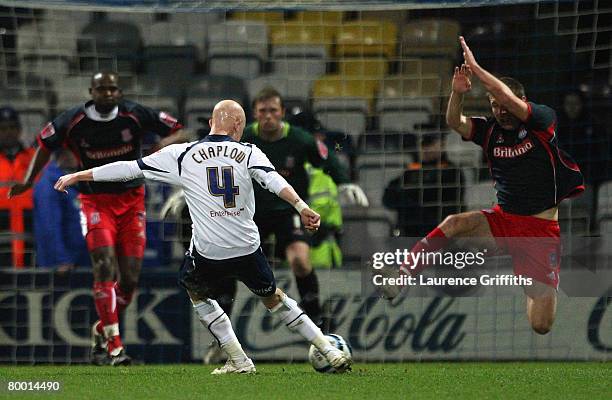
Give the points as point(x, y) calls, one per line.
point(99, 328)
point(434, 241)
point(123, 298)
point(114, 345)
point(106, 306)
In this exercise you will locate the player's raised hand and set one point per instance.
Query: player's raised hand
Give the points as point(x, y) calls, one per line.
point(468, 56)
point(462, 79)
point(310, 219)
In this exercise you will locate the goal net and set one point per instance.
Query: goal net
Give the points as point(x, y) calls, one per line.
point(373, 77)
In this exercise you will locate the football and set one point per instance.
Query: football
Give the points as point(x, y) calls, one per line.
point(319, 362)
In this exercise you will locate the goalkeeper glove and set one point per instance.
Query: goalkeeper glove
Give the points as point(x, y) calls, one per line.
point(354, 194)
point(173, 206)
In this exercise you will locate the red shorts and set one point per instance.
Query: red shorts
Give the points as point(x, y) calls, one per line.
point(534, 244)
point(115, 219)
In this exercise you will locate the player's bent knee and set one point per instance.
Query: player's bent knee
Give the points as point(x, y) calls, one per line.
point(271, 302)
point(459, 224)
point(103, 264)
point(129, 283)
point(301, 268)
point(542, 327)
point(300, 264)
point(452, 224)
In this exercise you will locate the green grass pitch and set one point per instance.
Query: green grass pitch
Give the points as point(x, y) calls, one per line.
point(474, 380)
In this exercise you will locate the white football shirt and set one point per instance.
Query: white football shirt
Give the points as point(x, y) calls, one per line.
point(215, 174)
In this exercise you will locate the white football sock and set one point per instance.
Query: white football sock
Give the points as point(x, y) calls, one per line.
point(297, 321)
point(212, 316)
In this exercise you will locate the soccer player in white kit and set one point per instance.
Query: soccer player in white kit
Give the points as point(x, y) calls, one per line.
point(216, 175)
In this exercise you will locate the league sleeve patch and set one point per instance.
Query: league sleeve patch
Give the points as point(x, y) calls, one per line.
point(167, 119)
point(323, 150)
point(47, 131)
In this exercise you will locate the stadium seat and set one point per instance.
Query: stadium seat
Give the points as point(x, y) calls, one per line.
point(46, 45)
point(387, 141)
point(33, 117)
point(68, 21)
point(156, 92)
point(428, 86)
point(374, 176)
point(374, 68)
point(182, 29)
point(294, 33)
point(141, 19)
point(427, 66)
point(480, 196)
point(604, 200)
point(403, 114)
point(330, 86)
point(289, 86)
point(462, 153)
point(171, 62)
point(171, 33)
point(47, 66)
point(237, 48)
point(344, 103)
point(300, 49)
point(110, 45)
point(405, 101)
point(33, 107)
point(303, 60)
point(205, 91)
point(367, 38)
point(575, 214)
point(398, 17)
point(364, 229)
point(430, 38)
point(268, 17)
point(333, 18)
point(53, 33)
point(72, 90)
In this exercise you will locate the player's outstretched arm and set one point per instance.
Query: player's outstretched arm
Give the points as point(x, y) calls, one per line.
point(70, 179)
point(41, 158)
point(119, 171)
point(462, 83)
point(494, 86)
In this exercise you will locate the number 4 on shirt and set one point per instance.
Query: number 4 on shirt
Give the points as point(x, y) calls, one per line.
point(225, 187)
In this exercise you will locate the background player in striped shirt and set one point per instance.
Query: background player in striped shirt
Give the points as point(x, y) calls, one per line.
point(103, 130)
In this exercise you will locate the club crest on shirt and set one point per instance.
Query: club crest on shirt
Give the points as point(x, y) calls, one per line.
point(126, 135)
point(47, 131)
point(290, 162)
point(94, 218)
point(552, 259)
point(323, 151)
point(500, 138)
point(167, 119)
point(522, 133)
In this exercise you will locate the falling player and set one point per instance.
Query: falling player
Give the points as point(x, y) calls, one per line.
point(532, 176)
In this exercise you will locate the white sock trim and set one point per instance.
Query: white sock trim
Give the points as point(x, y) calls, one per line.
point(212, 316)
point(234, 351)
point(111, 330)
point(296, 320)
